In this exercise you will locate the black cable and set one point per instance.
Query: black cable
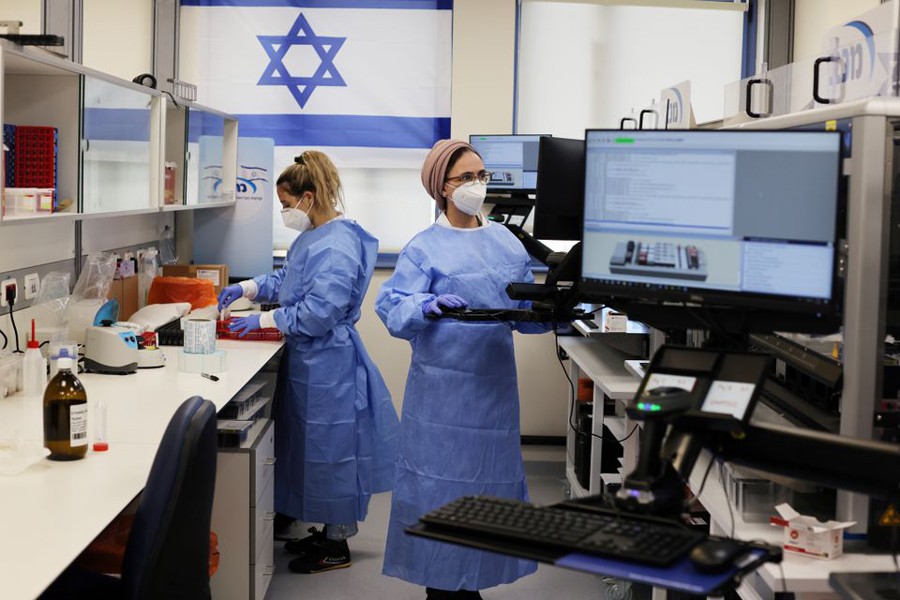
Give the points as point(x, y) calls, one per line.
point(633, 429)
point(571, 388)
point(5, 340)
point(12, 303)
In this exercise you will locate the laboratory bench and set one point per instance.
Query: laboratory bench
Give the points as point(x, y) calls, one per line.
point(53, 510)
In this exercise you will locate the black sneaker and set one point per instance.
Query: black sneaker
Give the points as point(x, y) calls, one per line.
point(323, 555)
point(301, 546)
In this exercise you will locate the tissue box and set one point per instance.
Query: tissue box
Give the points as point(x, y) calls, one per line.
point(808, 536)
point(614, 322)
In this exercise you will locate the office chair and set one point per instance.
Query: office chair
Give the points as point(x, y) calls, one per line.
point(167, 553)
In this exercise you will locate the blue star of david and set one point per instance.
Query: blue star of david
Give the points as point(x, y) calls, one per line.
point(277, 46)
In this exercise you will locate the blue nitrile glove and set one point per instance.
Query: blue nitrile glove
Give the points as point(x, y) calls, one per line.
point(229, 294)
point(243, 325)
point(433, 306)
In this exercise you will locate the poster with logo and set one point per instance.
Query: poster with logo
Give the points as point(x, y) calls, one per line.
point(675, 103)
point(865, 53)
point(241, 236)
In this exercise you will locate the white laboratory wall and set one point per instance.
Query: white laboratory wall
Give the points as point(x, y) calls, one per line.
point(484, 33)
point(26, 11)
point(583, 65)
point(813, 17)
point(118, 37)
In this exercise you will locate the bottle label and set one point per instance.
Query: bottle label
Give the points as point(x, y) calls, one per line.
point(78, 425)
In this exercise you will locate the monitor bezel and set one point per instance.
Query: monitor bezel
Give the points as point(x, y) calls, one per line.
point(501, 191)
point(625, 295)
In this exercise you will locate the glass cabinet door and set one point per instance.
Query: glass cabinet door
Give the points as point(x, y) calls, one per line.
point(116, 167)
point(204, 160)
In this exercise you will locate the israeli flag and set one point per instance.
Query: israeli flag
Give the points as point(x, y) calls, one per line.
point(365, 73)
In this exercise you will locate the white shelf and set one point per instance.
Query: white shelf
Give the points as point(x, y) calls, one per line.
point(637, 367)
point(616, 426)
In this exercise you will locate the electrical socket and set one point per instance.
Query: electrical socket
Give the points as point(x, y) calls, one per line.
point(32, 285)
point(3, 286)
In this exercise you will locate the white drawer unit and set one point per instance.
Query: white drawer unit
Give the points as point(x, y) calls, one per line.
point(243, 516)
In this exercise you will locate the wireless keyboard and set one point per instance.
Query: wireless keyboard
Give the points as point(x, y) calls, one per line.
point(659, 259)
point(596, 531)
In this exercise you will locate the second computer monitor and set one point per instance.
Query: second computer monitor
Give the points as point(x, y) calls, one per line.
point(559, 199)
point(715, 218)
point(512, 160)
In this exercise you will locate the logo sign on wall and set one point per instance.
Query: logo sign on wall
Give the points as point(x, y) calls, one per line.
point(865, 53)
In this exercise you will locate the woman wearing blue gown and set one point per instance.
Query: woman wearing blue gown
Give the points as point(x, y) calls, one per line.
point(335, 425)
point(459, 432)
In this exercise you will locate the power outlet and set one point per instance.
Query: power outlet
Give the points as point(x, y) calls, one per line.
point(32, 285)
point(3, 287)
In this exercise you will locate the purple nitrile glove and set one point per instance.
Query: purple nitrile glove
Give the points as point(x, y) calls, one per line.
point(229, 294)
point(244, 325)
point(433, 306)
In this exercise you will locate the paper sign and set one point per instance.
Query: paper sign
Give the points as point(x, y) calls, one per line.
point(661, 380)
point(728, 397)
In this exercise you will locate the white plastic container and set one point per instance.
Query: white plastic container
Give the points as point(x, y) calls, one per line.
point(34, 370)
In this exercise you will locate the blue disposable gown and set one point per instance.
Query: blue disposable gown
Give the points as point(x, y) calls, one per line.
point(336, 428)
point(460, 423)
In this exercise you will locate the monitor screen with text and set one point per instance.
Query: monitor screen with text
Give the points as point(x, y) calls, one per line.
point(735, 216)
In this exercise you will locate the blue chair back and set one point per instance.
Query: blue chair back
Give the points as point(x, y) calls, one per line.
point(167, 555)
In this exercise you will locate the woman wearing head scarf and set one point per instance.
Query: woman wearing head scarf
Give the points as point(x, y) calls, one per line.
point(335, 425)
point(459, 432)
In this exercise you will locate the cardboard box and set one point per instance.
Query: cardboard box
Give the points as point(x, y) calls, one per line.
point(218, 274)
point(808, 536)
point(125, 291)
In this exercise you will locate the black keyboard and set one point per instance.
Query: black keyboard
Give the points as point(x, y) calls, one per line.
point(623, 536)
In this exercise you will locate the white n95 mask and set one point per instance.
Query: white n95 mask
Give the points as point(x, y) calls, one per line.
point(294, 218)
point(469, 197)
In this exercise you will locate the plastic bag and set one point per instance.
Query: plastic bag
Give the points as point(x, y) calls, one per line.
point(49, 310)
point(96, 277)
point(167, 255)
point(148, 268)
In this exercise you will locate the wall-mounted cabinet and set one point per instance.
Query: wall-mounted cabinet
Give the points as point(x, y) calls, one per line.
point(119, 135)
point(201, 154)
point(103, 146)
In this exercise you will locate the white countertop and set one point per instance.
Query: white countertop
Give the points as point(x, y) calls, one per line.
point(53, 510)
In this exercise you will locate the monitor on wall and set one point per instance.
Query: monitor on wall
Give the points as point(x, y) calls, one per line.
point(740, 220)
point(512, 160)
point(559, 197)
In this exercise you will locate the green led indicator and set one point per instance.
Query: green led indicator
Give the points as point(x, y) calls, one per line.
point(624, 140)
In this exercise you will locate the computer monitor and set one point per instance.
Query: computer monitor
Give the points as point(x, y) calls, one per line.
point(716, 219)
point(513, 161)
point(559, 196)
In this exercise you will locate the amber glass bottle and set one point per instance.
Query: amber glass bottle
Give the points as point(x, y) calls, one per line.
point(65, 413)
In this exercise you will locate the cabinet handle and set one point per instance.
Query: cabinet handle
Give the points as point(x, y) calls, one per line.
point(270, 570)
point(269, 461)
point(270, 516)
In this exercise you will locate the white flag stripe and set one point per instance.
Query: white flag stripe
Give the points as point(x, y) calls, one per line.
point(394, 62)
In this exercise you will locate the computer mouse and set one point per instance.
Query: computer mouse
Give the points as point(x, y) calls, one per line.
point(716, 555)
